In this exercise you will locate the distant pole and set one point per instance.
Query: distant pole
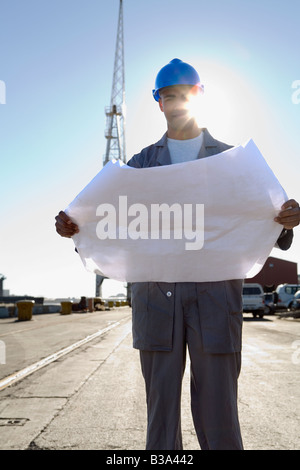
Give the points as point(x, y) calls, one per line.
point(2, 279)
point(115, 113)
point(98, 287)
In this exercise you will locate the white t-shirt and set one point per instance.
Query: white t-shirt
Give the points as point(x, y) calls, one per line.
point(185, 150)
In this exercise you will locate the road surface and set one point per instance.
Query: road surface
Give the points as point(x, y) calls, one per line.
point(89, 394)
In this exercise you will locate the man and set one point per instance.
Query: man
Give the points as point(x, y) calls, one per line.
point(206, 317)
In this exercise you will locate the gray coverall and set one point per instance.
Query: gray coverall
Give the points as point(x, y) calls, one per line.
point(205, 317)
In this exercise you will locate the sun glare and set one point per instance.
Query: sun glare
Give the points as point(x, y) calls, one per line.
point(212, 109)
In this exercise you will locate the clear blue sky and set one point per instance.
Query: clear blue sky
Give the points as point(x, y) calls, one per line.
point(56, 60)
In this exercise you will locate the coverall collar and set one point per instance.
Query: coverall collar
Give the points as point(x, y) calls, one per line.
point(208, 148)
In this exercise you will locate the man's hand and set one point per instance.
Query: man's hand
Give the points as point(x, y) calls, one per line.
point(64, 225)
point(289, 216)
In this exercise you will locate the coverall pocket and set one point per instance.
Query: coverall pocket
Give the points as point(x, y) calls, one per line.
point(152, 315)
point(235, 306)
point(139, 302)
point(220, 316)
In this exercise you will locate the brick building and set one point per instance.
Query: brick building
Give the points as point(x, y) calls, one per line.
point(274, 272)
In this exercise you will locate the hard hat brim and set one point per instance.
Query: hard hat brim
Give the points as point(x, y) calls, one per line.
point(156, 94)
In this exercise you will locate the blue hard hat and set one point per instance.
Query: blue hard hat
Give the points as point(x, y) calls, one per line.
point(176, 72)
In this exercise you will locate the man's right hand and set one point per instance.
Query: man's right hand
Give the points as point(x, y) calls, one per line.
point(65, 227)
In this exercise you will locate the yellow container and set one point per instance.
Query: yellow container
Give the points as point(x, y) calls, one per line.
point(110, 303)
point(66, 308)
point(25, 308)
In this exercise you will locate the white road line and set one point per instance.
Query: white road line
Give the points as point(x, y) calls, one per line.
point(53, 357)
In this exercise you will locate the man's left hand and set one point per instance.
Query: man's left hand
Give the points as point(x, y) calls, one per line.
point(289, 216)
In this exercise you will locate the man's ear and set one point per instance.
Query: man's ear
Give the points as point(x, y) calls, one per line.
point(161, 105)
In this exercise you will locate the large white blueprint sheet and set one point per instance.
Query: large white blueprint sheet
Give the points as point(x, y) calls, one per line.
point(210, 219)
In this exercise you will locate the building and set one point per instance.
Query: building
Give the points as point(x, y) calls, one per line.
point(274, 272)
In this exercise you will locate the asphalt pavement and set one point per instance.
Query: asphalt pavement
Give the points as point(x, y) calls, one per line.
point(93, 398)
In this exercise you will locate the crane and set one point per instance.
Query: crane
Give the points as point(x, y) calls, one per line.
point(115, 118)
point(115, 113)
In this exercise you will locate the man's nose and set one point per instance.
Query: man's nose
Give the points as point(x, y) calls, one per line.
point(182, 102)
point(184, 98)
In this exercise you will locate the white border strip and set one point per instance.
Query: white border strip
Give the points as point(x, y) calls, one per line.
point(53, 357)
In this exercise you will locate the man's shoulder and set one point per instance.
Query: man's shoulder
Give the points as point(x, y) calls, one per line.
point(146, 155)
point(209, 142)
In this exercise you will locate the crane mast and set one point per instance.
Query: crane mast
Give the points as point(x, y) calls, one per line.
point(115, 113)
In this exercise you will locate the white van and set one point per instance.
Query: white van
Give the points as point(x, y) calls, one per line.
point(253, 299)
point(285, 294)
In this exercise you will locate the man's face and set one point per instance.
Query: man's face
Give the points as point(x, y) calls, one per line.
point(176, 102)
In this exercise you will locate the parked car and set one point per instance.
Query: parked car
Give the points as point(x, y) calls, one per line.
point(285, 295)
point(253, 299)
point(296, 301)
